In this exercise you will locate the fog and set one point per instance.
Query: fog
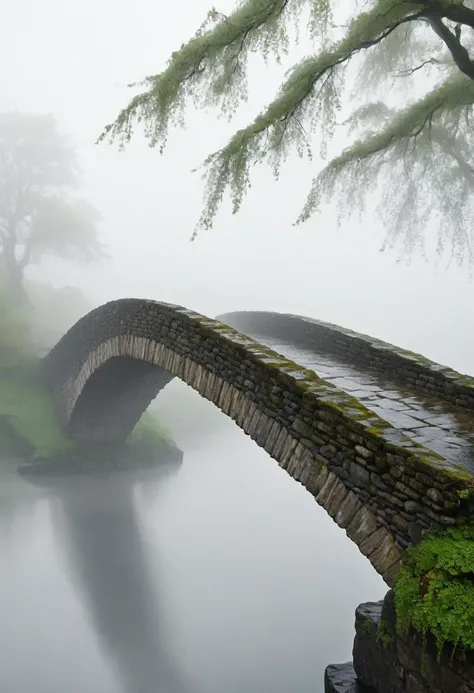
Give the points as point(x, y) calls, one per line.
point(256, 586)
point(74, 60)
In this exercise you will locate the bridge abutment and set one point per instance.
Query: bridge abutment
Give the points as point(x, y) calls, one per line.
point(387, 662)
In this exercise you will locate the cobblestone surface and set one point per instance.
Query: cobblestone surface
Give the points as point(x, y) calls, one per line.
point(444, 428)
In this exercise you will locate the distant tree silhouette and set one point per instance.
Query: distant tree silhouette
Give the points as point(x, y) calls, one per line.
point(38, 216)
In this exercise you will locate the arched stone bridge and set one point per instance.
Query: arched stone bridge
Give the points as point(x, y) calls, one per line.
point(384, 482)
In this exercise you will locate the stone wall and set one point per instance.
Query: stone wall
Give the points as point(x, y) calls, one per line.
point(413, 370)
point(378, 485)
point(385, 662)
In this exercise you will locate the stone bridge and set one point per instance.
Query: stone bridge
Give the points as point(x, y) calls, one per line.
point(387, 461)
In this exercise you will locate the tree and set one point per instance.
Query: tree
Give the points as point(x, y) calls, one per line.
point(38, 168)
point(421, 152)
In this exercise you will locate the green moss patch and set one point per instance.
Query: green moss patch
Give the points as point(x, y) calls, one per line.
point(150, 431)
point(28, 415)
point(30, 412)
point(434, 590)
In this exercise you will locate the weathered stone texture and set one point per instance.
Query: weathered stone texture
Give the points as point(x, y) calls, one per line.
point(341, 678)
point(388, 663)
point(380, 486)
point(415, 370)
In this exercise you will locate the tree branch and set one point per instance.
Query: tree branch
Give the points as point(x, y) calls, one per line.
point(459, 53)
point(158, 106)
point(188, 62)
point(448, 145)
point(460, 14)
point(311, 77)
point(405, 127)
point(407, 73)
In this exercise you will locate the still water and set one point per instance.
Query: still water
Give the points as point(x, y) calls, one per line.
point(221, 576)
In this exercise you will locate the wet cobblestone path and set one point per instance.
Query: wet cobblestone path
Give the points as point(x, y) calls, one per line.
point(429, 421)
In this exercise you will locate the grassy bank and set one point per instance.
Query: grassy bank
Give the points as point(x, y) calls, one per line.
point(29, 426)
point(29, 411)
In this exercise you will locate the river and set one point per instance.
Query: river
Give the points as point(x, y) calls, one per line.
point(220, 577)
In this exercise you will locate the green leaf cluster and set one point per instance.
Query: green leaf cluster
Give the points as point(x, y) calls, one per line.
point(434, 590)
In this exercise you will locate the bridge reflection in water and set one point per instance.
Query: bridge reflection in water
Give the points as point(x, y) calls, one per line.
point(98, 528)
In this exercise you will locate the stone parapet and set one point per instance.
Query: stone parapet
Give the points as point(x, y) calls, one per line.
point(412, 369)
point(381, 487)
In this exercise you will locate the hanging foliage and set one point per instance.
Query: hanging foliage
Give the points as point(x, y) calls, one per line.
point(420, 152)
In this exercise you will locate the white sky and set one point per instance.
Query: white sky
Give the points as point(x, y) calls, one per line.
point(73, 59)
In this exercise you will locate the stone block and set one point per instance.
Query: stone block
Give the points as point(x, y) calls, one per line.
point(368, 546)
point(326, 490)
point(348, 508)
point(385, 556)
point(363, 524)
point(341, 678)
point(336, 498)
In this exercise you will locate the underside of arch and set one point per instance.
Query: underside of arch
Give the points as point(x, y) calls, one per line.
point(114, 398)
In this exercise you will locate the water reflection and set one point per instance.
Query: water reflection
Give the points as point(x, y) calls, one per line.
point(99, 530)
point(224, 577)
point(18, 503)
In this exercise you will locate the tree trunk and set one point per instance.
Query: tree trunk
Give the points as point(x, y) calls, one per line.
point(14, 273)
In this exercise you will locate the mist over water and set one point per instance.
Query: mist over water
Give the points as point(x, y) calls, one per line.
point(222, 576)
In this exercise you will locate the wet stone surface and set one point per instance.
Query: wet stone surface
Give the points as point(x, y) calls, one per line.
point(341, 678)
point(429, 421)
point(399, 663)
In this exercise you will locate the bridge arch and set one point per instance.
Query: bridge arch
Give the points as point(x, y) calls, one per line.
point(106, 370)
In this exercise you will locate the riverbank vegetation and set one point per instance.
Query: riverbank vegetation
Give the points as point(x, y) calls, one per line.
point(29, 426)
point(29, 416)
point(41, 215)
point(434, 591)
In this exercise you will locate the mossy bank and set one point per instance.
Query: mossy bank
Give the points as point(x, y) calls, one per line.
point(31, 432)
point(434, 590)
point(420, 638)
